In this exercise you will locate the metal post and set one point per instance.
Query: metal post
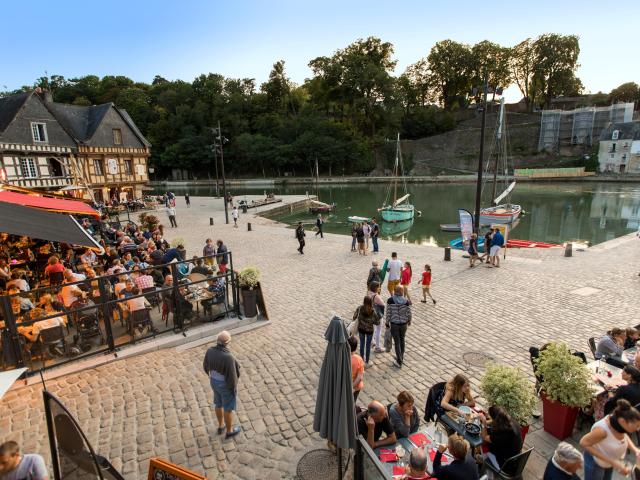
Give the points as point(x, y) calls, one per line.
point(234, 289)
point(106, 314)
point(224, 180)
point(10, 324)
point(476, 220)
point(177, 309)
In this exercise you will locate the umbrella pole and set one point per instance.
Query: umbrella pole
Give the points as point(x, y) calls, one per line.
point(339, 463)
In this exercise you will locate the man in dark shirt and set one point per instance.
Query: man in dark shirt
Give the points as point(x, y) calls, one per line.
point(373, 422)
point(564, 464)
point(200, 268)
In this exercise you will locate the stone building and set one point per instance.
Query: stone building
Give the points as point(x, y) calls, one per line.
point(620, 148)
point(96, 150)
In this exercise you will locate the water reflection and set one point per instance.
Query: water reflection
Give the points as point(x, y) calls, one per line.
point(554, 212)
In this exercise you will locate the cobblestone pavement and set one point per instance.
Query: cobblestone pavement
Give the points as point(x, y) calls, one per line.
point(159, 403)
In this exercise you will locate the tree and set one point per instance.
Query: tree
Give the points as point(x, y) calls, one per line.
point(522, 66)
point(277, 88)
point(556, 62)
point(627, 92)
point(416, 85)
point(491, 60)
point(451, 67)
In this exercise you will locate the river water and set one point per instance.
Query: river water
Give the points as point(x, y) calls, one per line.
point(554, 212)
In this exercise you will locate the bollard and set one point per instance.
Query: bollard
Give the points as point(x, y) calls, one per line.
point(568, 249)
point(447, 254)
point(248, 227)
point(210, 221)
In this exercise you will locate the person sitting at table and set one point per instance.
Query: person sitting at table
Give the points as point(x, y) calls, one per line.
point(31, 332)
point(70, 294)
point(630, 392)
point(71, 277)
point(53, 266)
point(457, 392)
point(127, 261)
point(120, 285)
point(417, 468)
point(611, 345)
point(403, 415)
point(142, 278)
point(18, 281)
point(216, 287)
point(88, 258)
point(127, 291)
point(564, 464)
point(503, 439)
point(631, 337)
point(372, 422)
point(463, 466)
point(25, 302)
point(200, 268)
point(116, 268)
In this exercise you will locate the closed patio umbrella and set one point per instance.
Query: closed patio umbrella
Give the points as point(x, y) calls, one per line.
point(334, 417)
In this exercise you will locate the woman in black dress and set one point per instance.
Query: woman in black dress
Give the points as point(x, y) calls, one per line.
point(503, 437)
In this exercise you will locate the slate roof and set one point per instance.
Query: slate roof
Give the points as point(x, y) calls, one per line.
point(82, 122)
point(133, 126)
point(627, 131)
point(9, 107)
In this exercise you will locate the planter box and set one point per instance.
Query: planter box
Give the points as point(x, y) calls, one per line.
point(559, 419)
point(523, 431)
point(249, 302)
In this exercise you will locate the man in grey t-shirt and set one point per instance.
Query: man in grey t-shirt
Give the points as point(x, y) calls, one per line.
point(14, 466)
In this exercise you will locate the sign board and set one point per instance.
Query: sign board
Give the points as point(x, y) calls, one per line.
point(162, 470)
point(140, 170)
point(466, 225)
point(112, 166)
point(635, 147)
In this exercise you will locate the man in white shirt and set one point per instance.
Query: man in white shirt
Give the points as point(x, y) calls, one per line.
point(171, 213)
point(395, 269)
point(235, 214)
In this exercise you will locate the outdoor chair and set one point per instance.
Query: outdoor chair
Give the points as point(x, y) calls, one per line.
point(592, 346)
point(432, 397)
point(56, 278)
point(219, 299)
point(88, 327)
point(140, 319)
point(534, 353)
point(152, 297)
point(514, 464)
point(49, 337)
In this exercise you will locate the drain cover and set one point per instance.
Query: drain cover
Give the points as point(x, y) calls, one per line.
point(476, 359)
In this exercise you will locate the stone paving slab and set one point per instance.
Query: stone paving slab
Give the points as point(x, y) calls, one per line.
point(159, 404)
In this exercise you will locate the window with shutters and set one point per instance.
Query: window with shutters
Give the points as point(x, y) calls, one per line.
point(98, 166)
point(128, 170)
point(117, 136)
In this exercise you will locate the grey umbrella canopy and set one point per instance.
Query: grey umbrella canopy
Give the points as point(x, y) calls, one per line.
point(334, 417)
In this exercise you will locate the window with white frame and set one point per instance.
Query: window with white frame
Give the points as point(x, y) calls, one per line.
point(28, 167)
point(98, 166)
point(614, 135)
point(39, 132)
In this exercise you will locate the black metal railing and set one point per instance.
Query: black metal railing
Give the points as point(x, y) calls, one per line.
point(367, 466)
point(102, 314)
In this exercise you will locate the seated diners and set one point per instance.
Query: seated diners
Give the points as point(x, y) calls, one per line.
point(632, 335)
point(564, 464)
point(457, 392)
point(630, 392)
point(606, 445)
point(373, 422)
point(504, 439)
point(403, 415)
point(53, 266)
point(463, 466)
point(417, 468)
point(611, 345)
point(31, 332)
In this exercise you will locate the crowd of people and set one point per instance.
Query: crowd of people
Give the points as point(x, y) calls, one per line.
point(493, 243)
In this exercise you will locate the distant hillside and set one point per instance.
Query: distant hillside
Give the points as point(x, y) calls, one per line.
point(457, 150)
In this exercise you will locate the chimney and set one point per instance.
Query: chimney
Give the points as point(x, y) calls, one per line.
point(47, 96)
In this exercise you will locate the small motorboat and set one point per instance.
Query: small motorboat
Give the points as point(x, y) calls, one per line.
point(357, 219)
point(321, 207)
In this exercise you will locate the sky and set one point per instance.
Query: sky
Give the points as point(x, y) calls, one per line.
point(243, 38)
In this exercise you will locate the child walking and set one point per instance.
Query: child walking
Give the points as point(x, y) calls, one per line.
point(405, 279)
point(426, 284)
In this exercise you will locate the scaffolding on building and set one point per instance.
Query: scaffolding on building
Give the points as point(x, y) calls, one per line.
point(579, 126)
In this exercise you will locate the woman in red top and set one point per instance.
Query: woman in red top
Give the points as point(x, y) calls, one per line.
point(405, 279)
point(426, 284)
point(54, 265)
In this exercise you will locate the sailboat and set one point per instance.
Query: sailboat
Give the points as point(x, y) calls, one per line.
point(399, 210)
point(505, 212)
point(316, 206)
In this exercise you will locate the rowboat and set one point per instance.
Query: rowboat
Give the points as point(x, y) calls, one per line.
point(458, 244)
point(507, 213)
point(357, 219)
point(398, 210)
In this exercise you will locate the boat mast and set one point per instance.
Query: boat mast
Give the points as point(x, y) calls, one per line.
point(317, 180)
point(395, 172)
point(476, 220)
point(498, 150)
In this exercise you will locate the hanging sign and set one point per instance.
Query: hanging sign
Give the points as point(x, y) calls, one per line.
point(112, 166)
point(466, 225)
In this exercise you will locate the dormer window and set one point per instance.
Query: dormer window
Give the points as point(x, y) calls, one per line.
point(39, 132)
point(117, 136)
point(614, 135)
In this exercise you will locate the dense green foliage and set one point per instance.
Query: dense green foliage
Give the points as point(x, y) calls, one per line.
point(342, 116)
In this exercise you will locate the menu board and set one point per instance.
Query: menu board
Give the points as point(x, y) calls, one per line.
point(162, 470)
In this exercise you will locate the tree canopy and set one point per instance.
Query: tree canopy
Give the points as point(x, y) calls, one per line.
point(345, 111)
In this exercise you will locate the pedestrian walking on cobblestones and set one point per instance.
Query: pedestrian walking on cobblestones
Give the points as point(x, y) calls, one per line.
point(360, 239)
point(375, 233)
point(368, 318)
point(319, 223)
point(300, 236)
point(357, 368)
point(473, 250)
point(354, 231)
point(366, 228)
point(235, 215)
point(187, 200)
point(497, 241)
point(224, 371)
point(394, 267)
point(426, 284)
point(405, 279)
point(378, 305)
point(398, 318)
point(171, 213)
point(374, 274)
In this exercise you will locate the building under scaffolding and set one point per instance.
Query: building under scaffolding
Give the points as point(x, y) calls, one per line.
point(579, 126)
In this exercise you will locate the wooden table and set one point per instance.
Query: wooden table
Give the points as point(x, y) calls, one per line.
point(474, 440)
point(600, 374)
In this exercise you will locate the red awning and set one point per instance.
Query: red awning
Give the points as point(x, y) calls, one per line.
point(73, 207)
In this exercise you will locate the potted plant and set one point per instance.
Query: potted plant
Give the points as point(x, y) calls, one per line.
point(509, 387)
point(565, 388)
point(148, 221)
point(248, 280)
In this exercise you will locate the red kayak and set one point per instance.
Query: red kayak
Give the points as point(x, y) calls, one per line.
point(513, 243)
